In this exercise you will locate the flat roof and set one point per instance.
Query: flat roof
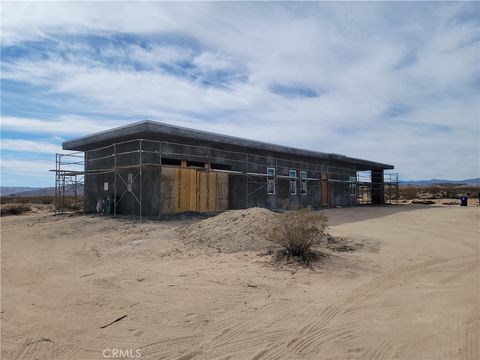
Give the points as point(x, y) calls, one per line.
point(148, 128)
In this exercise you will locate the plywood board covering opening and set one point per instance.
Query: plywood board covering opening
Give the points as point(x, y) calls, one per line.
point(325, 190)
point(194, 190)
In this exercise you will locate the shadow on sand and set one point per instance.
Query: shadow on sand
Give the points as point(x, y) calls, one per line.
point(341, 216)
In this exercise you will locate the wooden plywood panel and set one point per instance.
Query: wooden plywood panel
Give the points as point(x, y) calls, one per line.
point(222, 192)
point(178, 190)
point(193, 190)
point(325, 190)
point(212, 191)
point(186, 190)
point(181, 187)
point(167, 189)
point(202, 194)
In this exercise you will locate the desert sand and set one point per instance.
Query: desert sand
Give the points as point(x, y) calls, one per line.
point(410, 290)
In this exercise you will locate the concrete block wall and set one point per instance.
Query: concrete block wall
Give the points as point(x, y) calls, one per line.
point(230, 157)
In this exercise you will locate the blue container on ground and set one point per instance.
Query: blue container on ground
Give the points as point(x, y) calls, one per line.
point(463, 201)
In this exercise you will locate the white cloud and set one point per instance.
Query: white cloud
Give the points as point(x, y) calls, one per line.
point(159, 54)
point(208, 61)
point(364, 60)
point(22, 145)
point(71, 125)
point(27, 166)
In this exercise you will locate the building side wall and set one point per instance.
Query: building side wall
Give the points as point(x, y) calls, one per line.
point(243, 190)
point(144, 190)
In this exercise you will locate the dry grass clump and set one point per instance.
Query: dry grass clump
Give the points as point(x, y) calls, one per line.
point(14, 209)
point(298, 232)
point(437, 191)
point(68, 202)
point(45, 200)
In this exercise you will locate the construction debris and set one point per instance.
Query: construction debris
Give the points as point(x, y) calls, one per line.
point(113, 322)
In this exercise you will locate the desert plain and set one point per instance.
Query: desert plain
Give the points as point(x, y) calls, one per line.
point(404, 284)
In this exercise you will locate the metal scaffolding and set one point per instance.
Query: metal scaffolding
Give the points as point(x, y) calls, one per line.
point(69, 180)
point(73, 169)
point(391, 193)
point(366, 187)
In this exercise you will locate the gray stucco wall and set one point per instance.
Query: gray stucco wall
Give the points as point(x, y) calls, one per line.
point(223, 156)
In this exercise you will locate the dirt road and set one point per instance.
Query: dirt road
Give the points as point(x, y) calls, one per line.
point(412, 291)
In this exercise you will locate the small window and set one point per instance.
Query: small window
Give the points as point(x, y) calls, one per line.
point(303, 182)
point(129, 182)
point(293, 182)
point(271, 181)
point(353, 185)
point(271, 186)
point(303, 187)
point(293, 187)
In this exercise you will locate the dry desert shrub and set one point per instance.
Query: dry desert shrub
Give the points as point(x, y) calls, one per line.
point(437, 191)
point(14, 209)
point(298, 231)
point(69, 201)
point(46, 200)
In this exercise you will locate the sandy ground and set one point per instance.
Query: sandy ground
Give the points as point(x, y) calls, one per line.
point(412, 292)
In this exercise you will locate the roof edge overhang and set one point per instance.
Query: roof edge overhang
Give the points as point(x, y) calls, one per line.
point(147, 127)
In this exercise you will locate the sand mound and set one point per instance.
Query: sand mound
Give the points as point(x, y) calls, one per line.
point(233, 230)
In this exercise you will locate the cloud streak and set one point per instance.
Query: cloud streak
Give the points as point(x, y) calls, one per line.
point(22, 145)
point(392, 82)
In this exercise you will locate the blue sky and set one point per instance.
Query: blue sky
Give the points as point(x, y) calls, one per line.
point(390, 82)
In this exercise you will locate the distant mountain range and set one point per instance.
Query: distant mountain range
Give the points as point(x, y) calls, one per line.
point(472, 182)
point(30, 191)
point(50, 191)
point(10, 190)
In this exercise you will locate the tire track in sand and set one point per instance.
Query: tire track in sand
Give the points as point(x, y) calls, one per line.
point(309, 337)
point(467, 270)
point(472, 335)
point(233, 334)
point(385, 350)
point(43, 348)
point(314, 333)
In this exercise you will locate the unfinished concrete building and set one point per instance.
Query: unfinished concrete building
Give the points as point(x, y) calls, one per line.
point(151, 169)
